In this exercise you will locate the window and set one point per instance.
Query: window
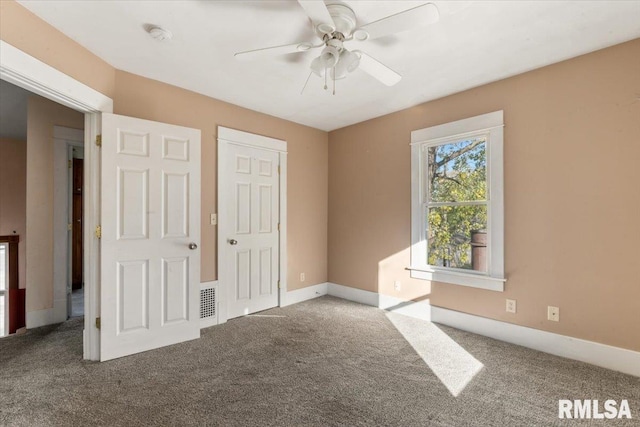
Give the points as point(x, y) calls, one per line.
point(457, 202)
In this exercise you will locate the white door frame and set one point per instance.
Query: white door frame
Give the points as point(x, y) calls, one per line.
point(25, 71)
point(228, 136)
point(64, 139)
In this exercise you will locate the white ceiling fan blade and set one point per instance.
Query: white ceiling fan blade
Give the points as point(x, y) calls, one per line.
point(275, 50)
point(377, 69)
point(317, 11)
point(403, 21)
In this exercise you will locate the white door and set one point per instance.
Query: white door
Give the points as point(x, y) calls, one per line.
point(150, 218)
point(250, 205)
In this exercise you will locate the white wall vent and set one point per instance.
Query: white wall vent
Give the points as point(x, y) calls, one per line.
point(208, 304)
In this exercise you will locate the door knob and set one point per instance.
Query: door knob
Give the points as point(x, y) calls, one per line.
point(193, 246)
point(233, 242)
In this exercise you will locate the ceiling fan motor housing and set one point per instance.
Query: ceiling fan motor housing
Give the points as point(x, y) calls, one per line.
point(343, 17)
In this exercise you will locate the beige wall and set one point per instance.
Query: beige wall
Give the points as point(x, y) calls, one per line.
point(42, 116)
point(307, 161)
point(13, 179)
point(24, 30)
point(572, 198)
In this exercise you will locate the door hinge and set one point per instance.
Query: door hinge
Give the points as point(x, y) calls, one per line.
point(70, 164)
point(278, 169)
point(70, 227)
point(278, 284)
point(99, 232)
point(99, 140)
point(278, 226)
point(98, 322)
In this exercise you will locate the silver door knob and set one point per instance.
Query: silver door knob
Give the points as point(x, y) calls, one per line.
point(193, 246)
point(233, 242)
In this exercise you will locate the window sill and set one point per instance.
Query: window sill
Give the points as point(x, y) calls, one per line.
point(459, 278)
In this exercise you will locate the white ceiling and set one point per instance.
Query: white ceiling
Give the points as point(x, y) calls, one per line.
point(474, 43)
point(13, 111)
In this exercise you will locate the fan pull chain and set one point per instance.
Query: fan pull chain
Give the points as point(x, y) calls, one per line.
point(326, 70)
point(334, 81)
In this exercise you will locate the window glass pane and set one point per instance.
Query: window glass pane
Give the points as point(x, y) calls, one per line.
point(457, 171)
point(457, 237)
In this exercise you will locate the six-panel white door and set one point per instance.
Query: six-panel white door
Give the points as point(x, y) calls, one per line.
point(150, 217)
point(252, 209)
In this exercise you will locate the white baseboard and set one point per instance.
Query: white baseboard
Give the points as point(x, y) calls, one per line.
point(353, 294)
point(304, 294)
point(48, 316)
point(606, 356)
point(206, 323)
point(60, 310)
point(418, 309)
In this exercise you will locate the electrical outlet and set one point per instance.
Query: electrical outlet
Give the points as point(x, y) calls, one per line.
point(511, 306)
point(213, 219)
point(553, 313)
point(302, 278)
point(396, 285)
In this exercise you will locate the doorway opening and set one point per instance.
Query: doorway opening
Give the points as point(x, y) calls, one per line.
point(13, 119)
point(27, 72)
point(75, 306)
point(38, 196)
point(69, 182)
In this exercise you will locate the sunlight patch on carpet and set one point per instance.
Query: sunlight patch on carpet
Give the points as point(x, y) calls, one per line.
point(451, 363)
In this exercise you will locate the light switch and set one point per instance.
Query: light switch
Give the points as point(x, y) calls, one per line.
point(214, 219)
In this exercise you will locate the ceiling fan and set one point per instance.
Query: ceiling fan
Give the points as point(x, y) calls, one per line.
point(335, 24)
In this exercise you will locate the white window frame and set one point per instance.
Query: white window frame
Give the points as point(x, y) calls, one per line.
point(490, 125)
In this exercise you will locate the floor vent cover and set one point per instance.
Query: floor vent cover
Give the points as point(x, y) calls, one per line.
point(207, 303)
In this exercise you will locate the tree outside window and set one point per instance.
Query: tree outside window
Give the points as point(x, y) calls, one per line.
point(456, 204)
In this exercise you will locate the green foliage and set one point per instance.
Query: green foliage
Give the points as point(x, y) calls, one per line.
point(457, 173)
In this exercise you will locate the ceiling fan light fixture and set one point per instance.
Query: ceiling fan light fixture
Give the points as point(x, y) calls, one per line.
point(350, 60)
point(347, 64)
point(330, 56)
point(318, 67)
point(339, 71)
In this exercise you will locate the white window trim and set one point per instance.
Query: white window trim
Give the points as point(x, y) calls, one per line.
point(490, 124)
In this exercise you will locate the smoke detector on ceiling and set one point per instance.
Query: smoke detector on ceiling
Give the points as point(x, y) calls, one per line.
point(158, 33)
